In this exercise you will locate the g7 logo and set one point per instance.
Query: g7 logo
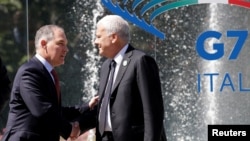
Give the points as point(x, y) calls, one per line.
point(219, 47)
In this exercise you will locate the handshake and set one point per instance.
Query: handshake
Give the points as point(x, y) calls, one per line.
point(76, 131)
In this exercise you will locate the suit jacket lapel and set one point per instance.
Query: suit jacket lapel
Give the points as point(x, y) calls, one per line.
point(123, 67)
point(48, 76)
point(44, 71)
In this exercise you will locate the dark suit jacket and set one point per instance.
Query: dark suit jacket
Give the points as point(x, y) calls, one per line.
point(4, 86)
point(136, 104)
point(35, 113)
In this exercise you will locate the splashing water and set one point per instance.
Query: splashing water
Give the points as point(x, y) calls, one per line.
point(187, 113)
point(85, 15)
point(211, 66)
point(93, 59)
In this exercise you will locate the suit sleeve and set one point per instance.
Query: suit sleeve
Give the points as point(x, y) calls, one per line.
point(82, 114)
point(150, 90)
point(87, 120)
point(71, 113)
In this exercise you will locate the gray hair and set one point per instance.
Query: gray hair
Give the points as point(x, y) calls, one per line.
point(116, 24)
point(46, 32)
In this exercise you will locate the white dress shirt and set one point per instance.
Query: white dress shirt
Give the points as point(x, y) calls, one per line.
point(118, 59)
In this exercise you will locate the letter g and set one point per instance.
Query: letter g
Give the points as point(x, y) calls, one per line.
point(218, 47)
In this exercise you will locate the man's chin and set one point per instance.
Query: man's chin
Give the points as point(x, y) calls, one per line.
point(59, 64)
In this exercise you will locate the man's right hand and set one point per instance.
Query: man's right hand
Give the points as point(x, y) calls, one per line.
point(93, 102)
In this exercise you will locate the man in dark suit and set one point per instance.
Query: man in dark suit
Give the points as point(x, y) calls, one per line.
point(4, 86)
point(35, 105)
point(4, 90)
point(135, 109)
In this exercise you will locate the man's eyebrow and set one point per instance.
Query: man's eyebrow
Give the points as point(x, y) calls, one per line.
point(61, 41)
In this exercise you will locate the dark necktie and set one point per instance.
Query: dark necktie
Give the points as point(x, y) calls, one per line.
point(105, 101)
point(56, 79)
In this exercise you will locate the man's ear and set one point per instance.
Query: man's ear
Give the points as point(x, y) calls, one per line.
point(114, 38)
point(43, 43)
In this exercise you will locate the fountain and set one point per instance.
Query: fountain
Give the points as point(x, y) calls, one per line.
point(188, 109)
point(188, 112)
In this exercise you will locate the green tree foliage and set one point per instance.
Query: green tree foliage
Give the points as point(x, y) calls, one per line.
point(18, 25)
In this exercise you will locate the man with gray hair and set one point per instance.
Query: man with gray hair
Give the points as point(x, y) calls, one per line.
point(131, 104)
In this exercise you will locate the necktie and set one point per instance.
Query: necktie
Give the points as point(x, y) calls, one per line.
point(105, 101)
point(56, 79)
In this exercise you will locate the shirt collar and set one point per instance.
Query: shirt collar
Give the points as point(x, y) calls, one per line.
point(47, 65)
point(118, 58)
